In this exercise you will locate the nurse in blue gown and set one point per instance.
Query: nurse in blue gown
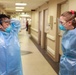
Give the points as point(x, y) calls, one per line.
point(68, 59)
point(10, 57)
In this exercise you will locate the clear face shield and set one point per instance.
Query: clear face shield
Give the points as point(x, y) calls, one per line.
point(6, 25)
point(6, 21)
point(61, 24)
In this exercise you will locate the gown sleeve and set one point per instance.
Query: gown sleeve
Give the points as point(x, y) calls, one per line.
point(15, 23)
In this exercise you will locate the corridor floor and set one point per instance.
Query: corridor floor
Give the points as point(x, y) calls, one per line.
point(33, 62)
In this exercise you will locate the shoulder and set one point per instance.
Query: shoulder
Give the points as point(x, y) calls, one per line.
point(73, 31)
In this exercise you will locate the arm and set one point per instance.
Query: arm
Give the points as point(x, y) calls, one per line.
point(15, 23)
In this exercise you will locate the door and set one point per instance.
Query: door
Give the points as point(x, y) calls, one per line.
point(39, 28)
point(45, 27)
point(60, 9)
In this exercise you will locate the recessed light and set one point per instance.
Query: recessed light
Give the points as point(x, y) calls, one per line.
point(19, 7)
point(19, 10)
point(21, 4)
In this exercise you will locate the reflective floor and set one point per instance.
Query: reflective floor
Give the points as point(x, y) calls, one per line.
point(33, 62)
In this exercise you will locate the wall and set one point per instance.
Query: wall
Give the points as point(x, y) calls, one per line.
point(72, 5)
point(34, 25)
point(2, 11)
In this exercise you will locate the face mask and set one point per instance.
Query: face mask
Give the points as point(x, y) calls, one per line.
point(8, 29)
point(61, 27)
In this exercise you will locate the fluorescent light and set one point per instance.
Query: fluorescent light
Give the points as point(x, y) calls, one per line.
point(19, 10)
point(19, 7)
point(25, 15)
point(21, 4)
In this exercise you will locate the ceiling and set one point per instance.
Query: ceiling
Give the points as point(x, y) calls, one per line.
point(9, 5)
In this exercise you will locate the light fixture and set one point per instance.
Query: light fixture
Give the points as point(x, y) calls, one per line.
point(19, 7)
point(21, 4)
point(24, 15)
point(19, 10)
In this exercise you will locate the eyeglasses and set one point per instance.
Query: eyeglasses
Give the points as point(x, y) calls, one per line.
point(62, 22)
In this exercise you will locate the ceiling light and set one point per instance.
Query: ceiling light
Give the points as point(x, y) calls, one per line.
point(19, 7)
point(25, 15)
point(20, 4)
point(19, 10)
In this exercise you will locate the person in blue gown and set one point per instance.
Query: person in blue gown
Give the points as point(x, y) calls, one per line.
point(10, 57)
point(68, 59)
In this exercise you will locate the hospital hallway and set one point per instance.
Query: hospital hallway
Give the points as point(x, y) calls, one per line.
point(33, 62)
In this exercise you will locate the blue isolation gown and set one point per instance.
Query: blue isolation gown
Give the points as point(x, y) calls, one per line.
point(10, 58)
point(68, 59)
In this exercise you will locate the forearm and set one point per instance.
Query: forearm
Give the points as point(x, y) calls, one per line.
point(15, 24)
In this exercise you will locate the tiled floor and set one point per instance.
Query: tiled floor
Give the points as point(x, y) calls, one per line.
point(33, 62)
